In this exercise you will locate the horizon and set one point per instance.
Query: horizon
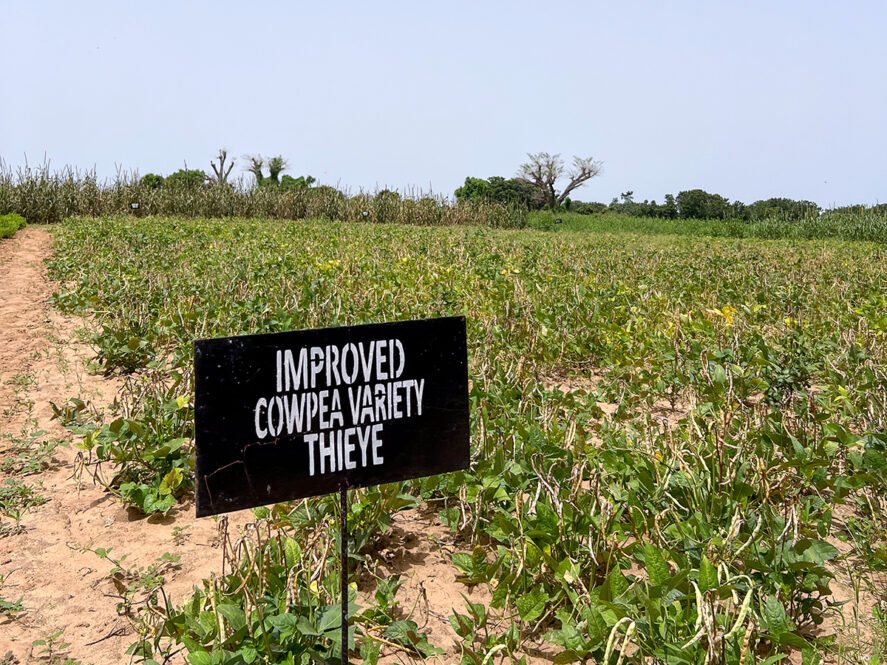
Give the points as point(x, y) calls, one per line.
point(750, 103)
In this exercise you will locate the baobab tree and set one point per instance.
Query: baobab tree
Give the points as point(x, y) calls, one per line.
point(543, 171)
point(276, 165)
point(221, 173)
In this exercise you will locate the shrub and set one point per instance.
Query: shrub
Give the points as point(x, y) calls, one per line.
point(302, 182)
point(9, 224)
point(188, 178)
point(152, 181)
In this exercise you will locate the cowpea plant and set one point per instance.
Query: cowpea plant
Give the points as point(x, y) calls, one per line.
point(664, 428)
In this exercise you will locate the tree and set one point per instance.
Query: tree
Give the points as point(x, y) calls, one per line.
point(782, 208)
point(256, 162)
point(670, 208)
point(699, 204)
point(544, 170)
point(186, 178)
point(152, 180)
point(510, 191)
point(474, 189)
point(275, 165)
point(221, 173)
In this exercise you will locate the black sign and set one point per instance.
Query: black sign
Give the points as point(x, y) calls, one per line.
point(296, 414)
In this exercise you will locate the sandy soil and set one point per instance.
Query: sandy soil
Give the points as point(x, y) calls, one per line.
point(63, 586)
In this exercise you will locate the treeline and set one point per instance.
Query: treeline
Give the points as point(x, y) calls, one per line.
point(688, 204)
point(43, 196)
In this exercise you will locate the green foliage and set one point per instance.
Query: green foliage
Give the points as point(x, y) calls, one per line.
point(52, 648)
point(663, 427)
point(302, 182)
point(184, 178)
point(46, 197)
point(583, 208)
point(699, 204)
point(152, 455)
point(11, 223)
point(474, 189)
point(782, 208)
point(151, 181)
point(10, 609)
point(16, 498)
point(277, 603)
point(840, 225)
point(496, 189)
point(29, 454)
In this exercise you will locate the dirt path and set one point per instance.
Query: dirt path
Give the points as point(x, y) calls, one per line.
point(44, 560)
point(61, 585)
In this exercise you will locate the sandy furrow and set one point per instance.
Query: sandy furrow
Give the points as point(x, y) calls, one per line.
point(61, 585)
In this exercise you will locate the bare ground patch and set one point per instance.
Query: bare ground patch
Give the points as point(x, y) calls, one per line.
point(63, 586)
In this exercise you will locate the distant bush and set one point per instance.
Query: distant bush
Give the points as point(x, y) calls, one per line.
point(699, 204)
point(496, 189)
point(302, 182)
point(189, 178)
point(11, 223)
point(863, 224)
point(152, 181)
point(583, 208)
point(785, 209)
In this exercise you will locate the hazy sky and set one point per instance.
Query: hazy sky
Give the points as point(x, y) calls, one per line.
point(746, 99)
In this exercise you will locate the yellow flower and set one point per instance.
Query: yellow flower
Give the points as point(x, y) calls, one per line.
point(727, 312)
point(332, 263)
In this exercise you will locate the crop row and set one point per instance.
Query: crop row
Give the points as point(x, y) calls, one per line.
point(664, 429)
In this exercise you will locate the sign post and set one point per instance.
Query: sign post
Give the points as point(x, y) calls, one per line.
point(343, 535)
point(290, 415)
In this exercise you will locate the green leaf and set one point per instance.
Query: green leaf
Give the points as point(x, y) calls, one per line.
point(775, 617)
point(331, 619)
point(286, 623)
point(530, 606)
point(462, 625)
point(618, 583)
point(708, 575)
point(235, 616)
point(400, 631)
point(564, 657)
point(656, 566)
point(200, 658)
point(307, 628)
point(816, 551)
point(463, 562)
point(248, 653)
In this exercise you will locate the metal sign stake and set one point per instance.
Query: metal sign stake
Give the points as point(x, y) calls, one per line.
point(343, 512)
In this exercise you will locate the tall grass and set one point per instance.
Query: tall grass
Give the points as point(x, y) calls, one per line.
point(43, 196)
point(844, 224)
